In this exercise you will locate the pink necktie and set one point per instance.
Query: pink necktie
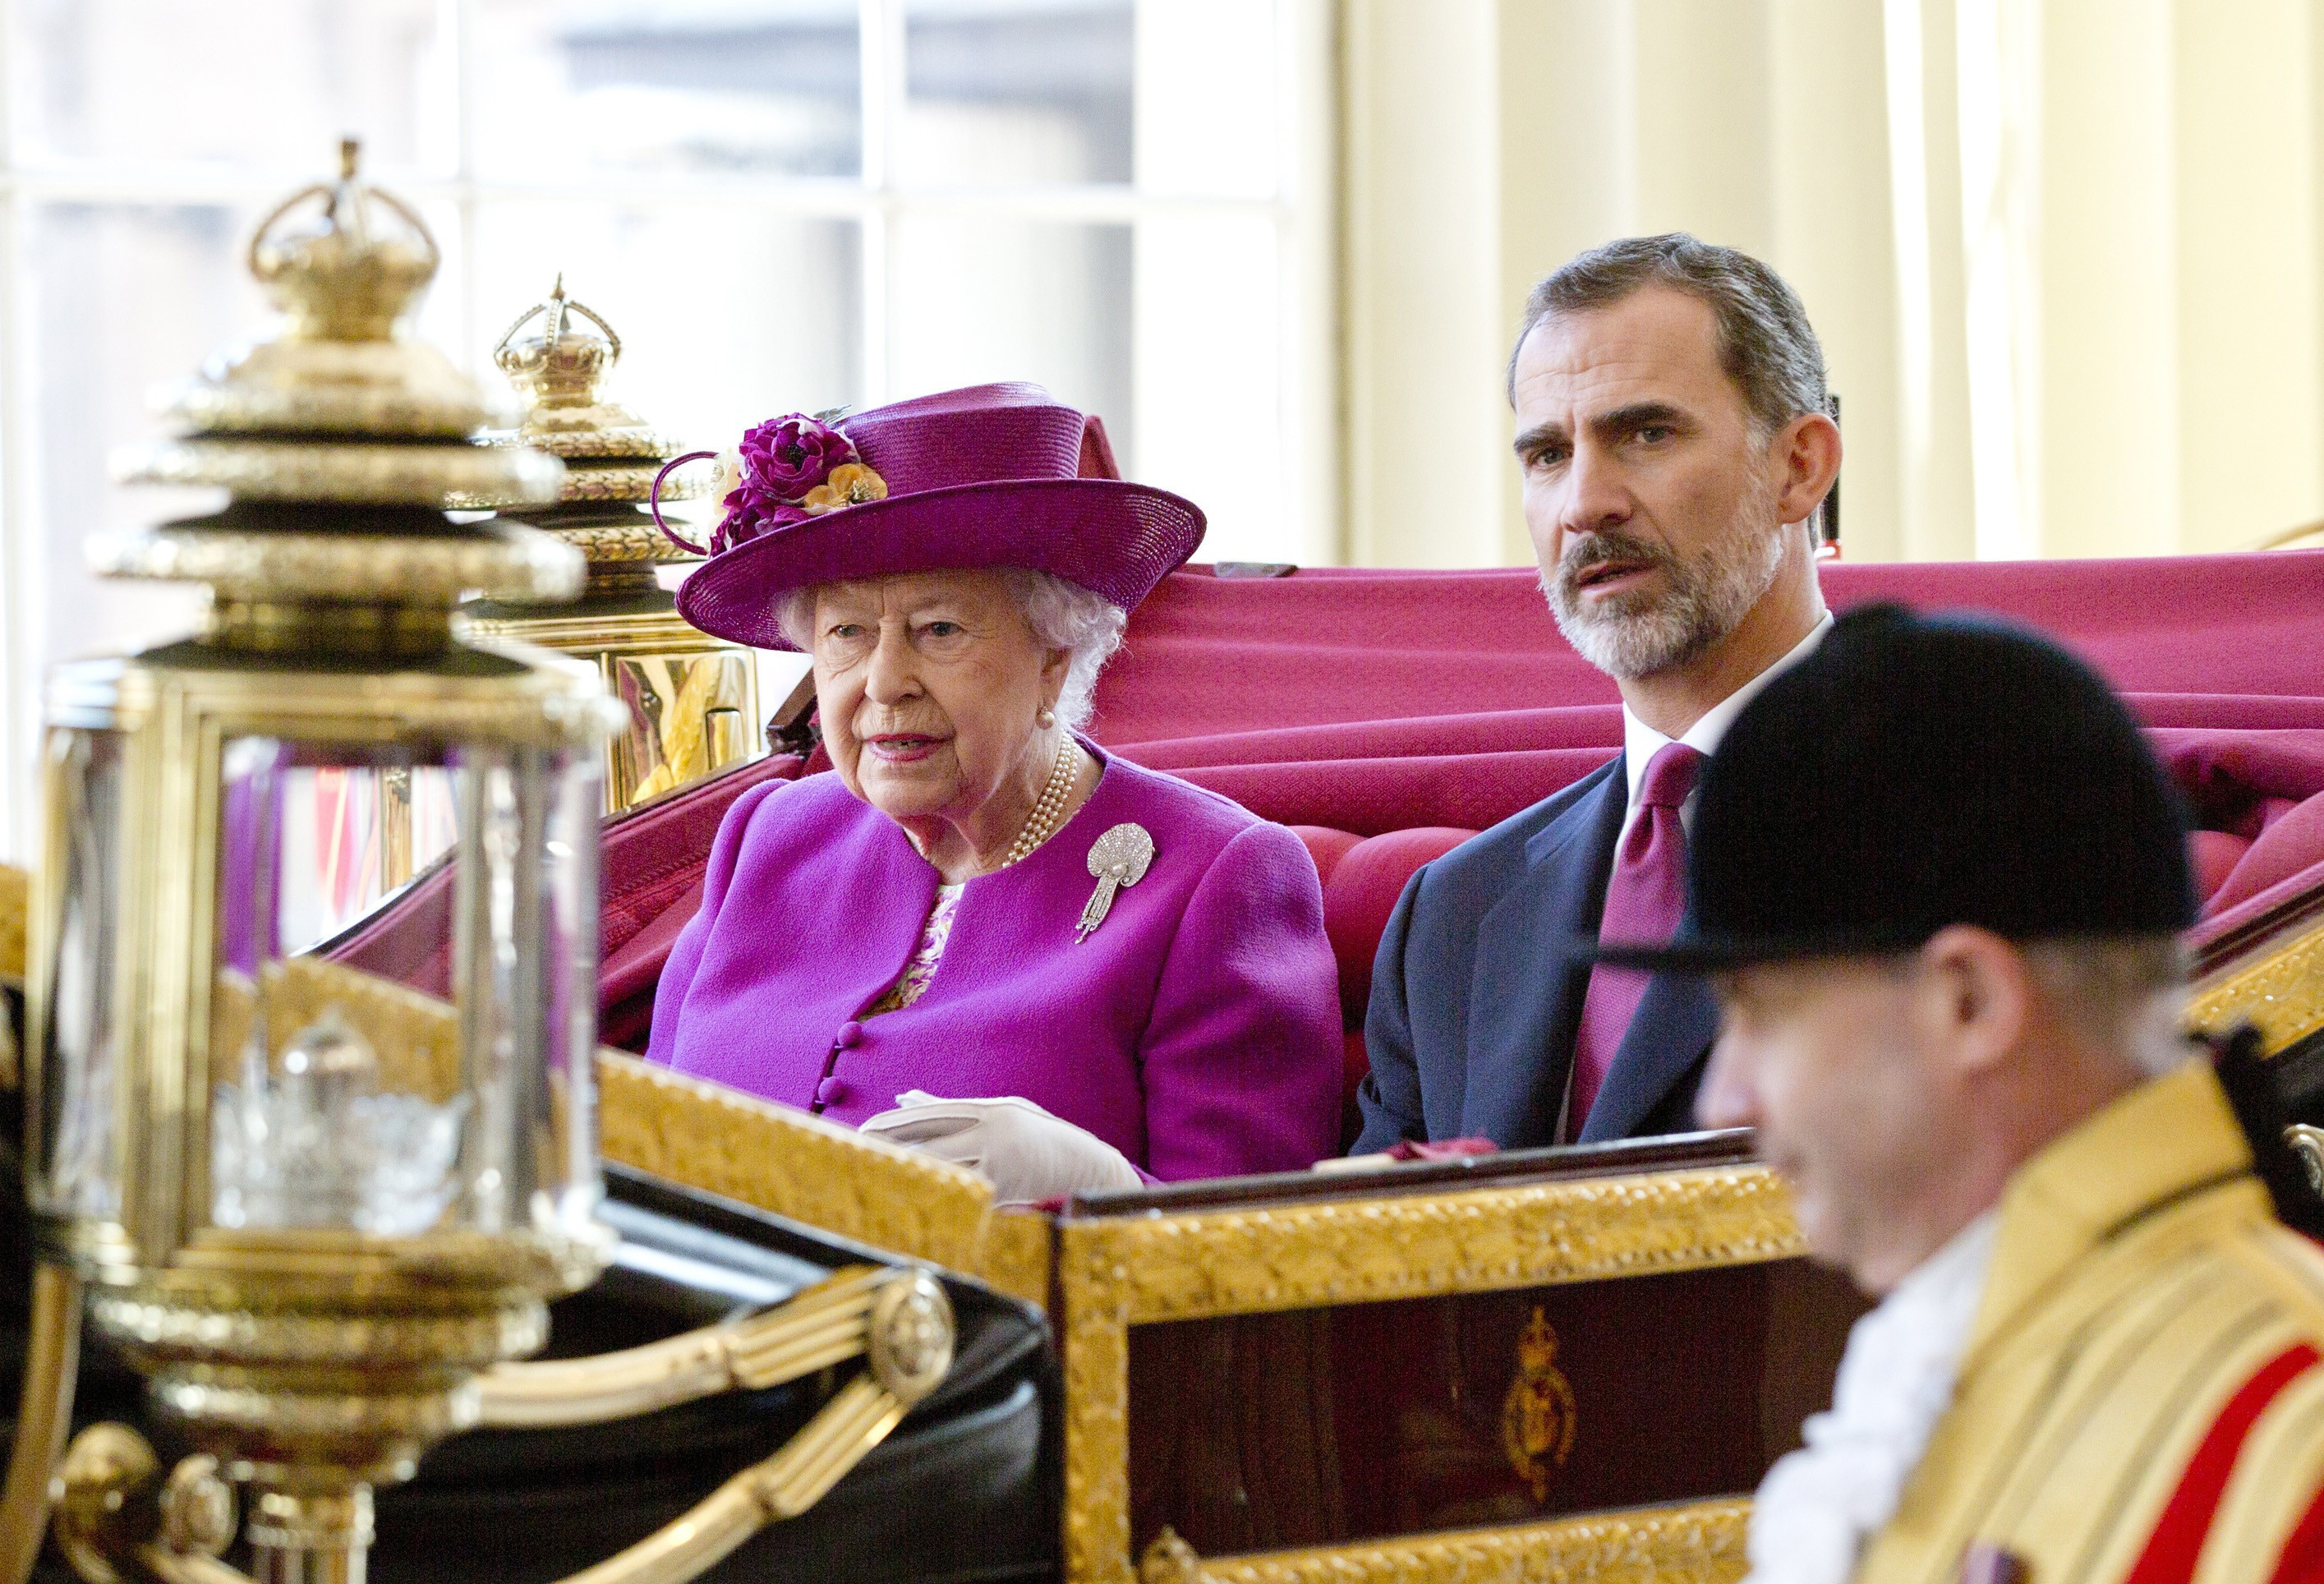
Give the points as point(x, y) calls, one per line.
point(1643, 899)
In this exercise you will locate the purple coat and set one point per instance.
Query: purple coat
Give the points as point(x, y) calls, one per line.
point(1197, 1030)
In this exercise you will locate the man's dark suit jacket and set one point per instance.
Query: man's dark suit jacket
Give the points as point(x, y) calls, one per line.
point(1476, 993)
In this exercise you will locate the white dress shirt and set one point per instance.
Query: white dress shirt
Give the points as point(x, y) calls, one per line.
point(1641, 742)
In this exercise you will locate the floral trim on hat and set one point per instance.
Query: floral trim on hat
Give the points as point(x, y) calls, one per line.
point(787, 470)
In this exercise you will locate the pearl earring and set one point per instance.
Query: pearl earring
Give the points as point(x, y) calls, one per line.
point(1046, 719)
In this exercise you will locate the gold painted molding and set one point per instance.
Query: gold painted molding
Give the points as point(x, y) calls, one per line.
point(2279, 989)
point(1701, 1542)
point(721, 1141)
point(1114, 1272)
point(1198, 1264)
point(15, 910)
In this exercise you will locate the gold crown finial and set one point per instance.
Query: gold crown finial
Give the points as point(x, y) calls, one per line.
point(563, 366)
point(338, 274)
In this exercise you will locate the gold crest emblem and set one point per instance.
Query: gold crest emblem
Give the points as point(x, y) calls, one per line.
point(1537, 1416)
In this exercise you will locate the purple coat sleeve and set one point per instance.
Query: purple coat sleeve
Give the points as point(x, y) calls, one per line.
point(686, 954)
point(1241, 1058)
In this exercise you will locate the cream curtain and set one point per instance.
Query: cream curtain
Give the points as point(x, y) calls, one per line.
point(2064, 254)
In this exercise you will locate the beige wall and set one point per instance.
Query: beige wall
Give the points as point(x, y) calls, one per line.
point(2065, 258)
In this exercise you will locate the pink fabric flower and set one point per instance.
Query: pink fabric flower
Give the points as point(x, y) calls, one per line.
point(749, 514)
point(785, 457)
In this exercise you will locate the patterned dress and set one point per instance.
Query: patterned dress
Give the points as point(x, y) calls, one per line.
point(921, 970)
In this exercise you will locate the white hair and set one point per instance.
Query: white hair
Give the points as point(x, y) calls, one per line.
point(1060, 615)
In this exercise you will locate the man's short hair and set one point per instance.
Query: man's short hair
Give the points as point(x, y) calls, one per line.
point(2124, 993)
point(1766, 344)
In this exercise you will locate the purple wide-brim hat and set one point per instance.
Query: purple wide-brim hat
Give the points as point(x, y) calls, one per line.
point(994, 476)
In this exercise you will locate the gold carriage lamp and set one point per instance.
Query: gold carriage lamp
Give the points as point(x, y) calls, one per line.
point(310, 1242)
point(690, 700)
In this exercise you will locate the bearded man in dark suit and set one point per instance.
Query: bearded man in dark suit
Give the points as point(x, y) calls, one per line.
point(1672, 428)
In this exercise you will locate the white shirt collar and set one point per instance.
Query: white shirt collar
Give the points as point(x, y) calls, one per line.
point(1641, 742)
point(1818, 1506)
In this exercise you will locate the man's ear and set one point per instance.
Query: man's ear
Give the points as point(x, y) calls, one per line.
point(1975, 995)
point(1807, 448)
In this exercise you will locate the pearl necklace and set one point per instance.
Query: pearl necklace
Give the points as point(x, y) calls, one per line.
point(1042, 823)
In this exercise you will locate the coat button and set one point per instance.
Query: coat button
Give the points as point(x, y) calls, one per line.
point(851, 1034)
point(830, 1091)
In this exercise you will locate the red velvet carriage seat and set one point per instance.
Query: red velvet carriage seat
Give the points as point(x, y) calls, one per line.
point(1388, 715)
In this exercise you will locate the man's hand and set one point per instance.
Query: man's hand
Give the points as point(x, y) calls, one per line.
point(1027, 1154)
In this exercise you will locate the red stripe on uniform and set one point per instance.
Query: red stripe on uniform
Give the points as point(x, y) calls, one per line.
point(2176, 1542)
point(2302, 1562)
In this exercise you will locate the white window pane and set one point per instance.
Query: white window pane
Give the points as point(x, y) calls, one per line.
point(1209, 86)
point(751, 86)
point(978, 298)
point(1015, 92)
point(267, 85)
point(126, 297)
point(1211, 389)
point(727, 314)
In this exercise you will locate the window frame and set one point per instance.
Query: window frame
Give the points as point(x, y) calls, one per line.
point(1301, 212)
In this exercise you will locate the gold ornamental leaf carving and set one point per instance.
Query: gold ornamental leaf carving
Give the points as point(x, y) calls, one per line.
point(1017, 1259)
point(1297, 1257)
point(1096, 1349)
point(1113, 1272)
point(16, 911)
point(502, 560)
point(447, 477)
point(1701, 1542)
point(721, 1141)
point(2281, 994)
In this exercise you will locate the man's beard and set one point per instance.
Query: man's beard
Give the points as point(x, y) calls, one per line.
point(1702, 600)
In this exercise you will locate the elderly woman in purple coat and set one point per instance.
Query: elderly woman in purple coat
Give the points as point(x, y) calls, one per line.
point(978, 933)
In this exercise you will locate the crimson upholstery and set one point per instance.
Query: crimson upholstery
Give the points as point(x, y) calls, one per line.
point(1385, 715)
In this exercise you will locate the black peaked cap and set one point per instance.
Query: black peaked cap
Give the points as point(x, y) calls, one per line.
point(1920, 772)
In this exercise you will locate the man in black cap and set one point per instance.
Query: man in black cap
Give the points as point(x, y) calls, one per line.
point(1938, 882)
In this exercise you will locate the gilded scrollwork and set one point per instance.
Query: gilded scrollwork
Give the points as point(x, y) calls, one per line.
point(504, 560)
point(621, 543)
point(724, 1142)
point(1701, 1542)
point(1096, 1347)
point(1360, 1250)
point(621, 441)
point(15, 910)
point(628, 482)
point(447, 477)
point(2280, 989)
point(1114, 1272)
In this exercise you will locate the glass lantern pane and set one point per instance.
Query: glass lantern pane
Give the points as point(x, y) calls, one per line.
point(1016, 92)
point(1210, 94)
point(753, 87)
point(340, 1102)
point(264, 84)
point(78, 1174)
point(980, 298)
point(1208, 321)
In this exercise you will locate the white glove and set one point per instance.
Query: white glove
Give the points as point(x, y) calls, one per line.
point(1027, 1154)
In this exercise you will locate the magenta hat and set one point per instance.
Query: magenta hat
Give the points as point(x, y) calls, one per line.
point(993, 475)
